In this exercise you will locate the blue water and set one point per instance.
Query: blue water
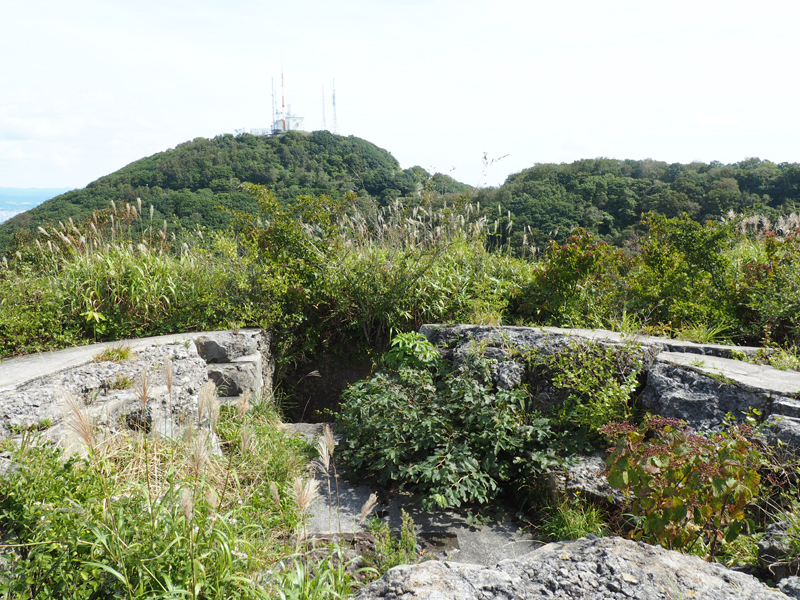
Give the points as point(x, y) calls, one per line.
point(16, 200)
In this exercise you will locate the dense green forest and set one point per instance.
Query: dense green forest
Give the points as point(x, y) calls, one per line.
point(186, 184)
point(608, 196)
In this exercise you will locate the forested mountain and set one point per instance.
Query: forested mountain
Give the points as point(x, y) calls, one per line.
point(544, 202)
point(187, 183)
point(608, 196)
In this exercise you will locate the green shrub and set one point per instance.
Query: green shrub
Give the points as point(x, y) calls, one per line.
point(32, 318)
point(391, 551)
point(453, 440)
point(578, 283)
point(596, 380)
point(684, 488)
point(412, 350)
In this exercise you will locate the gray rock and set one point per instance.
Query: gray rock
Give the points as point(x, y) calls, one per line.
point(587, 478)
point(775, 550)
point(238, 361)
point(790, 586)
point(33, 388)
point(504, 339)
point(703, 391)
point(507, 374)
point(107, 389)
point(587, 569)
point(683, 392)
point(225, 346)
point(785, 429)
point(233, 379)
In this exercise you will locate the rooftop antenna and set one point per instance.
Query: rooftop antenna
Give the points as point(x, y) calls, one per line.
point(335, 123)
point(324, 127)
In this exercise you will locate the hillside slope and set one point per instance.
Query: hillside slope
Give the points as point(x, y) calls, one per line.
point(186, 183)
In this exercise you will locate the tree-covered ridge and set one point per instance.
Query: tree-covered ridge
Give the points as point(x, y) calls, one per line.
point(608, 196)
point(188, 182)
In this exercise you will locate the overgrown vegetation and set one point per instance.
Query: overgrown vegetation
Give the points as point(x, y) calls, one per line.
point(137, 516)
point(348, 274)
point(451, 439)
point(391, 551)
point(595, 385)
point(684, 488)
point(571, 519)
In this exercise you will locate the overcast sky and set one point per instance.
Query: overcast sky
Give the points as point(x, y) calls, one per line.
point(88, 86)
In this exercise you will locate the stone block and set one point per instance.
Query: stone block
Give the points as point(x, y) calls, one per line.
point(225, 346)
point(233, 379)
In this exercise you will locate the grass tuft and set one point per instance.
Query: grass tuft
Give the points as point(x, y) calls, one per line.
point(115, 353)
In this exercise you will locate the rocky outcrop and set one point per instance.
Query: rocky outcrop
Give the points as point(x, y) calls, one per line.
point(701, 391)
point(108, 389)
point(34, 389)
point(587, 569)
point(586, 477)
point(790, 586)
point(502, 342)
point(238, 361)
point(699, 383)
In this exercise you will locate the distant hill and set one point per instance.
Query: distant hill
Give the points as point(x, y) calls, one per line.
point(608, 196)
point(17, 200)
point(186, 183)
point(546, 201)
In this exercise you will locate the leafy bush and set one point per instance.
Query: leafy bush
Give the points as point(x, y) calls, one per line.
point(597, 382)
point(412, 350)
point(579, 282)
point(684, 487)
point(454, 440)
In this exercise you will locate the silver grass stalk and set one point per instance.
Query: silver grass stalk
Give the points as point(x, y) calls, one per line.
point(187, 505)
point(205, 400)
point(199, 453)
point(78, 421)
point(242, 405)
point(368, 507)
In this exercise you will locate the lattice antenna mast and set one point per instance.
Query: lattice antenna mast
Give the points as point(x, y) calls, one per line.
point(324, 127)
point(335, 122)
point(283, 102)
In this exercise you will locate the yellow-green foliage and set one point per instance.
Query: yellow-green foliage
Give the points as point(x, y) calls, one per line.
point(327, 274)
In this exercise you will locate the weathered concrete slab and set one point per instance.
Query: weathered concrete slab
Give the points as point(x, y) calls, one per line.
point(445, 534)
point(756, 378)
point(702, 390)
point(22, 369)
point(505, 338)
point(34, 390)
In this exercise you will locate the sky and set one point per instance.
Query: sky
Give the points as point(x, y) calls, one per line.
point(477, 90)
